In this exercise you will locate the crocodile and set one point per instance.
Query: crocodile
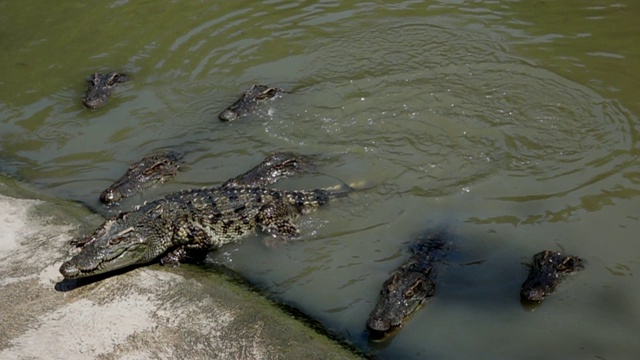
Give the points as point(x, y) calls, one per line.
point(249, 101)
point(271, 169)
point(409, 285)
point(161, 167)
point(185, 224)
point(150, 170)
point(547, 271)
point(100, 87)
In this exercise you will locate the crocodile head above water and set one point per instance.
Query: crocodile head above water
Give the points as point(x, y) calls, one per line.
point(248, 102)
point(547, 271)
point(150, 170)
point(99, 87)
point(401, 295)
point(124, 240)
point(274, 167)
point(409, 285)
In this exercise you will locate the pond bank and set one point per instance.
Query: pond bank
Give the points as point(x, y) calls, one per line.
point(143, 314)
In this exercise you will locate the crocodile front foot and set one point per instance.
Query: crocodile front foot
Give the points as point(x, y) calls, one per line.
point(183, 255)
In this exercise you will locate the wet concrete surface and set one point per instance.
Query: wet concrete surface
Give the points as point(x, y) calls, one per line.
point(147, 313)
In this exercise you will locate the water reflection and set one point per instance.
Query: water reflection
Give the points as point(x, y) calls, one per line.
point(431, 101)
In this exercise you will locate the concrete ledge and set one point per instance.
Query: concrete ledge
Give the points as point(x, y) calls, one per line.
point(146, 313)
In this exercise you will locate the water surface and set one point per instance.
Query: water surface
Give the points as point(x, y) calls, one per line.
point(512, 122)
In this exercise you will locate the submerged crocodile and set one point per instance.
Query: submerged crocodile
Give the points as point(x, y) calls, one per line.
point(100, 87)
point(249, 101)
point(547, 271)
point(185, 224)
point(409, 285)
point(150, 170)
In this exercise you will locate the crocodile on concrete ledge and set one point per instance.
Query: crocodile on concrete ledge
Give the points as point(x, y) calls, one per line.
point(409, 285)
point(190, 222)
point(100, 87)
point(547, 271)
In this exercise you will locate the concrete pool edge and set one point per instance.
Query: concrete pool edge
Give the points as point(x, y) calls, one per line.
point(144, 313)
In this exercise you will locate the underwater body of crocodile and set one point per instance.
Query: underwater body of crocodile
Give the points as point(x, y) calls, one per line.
point(409, 285)
point(547, 271)
point(249, 101)
point(100, 87)
point(187, 223)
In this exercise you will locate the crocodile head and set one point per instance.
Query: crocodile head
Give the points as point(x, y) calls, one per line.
point(249, 101)
point(99, 87)
point(401, 295)
point(547, 271)
point(283, 164)
point(127, 239)
point(274, 167)
point(150, 170)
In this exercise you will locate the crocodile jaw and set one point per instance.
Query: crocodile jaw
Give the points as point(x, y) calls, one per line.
point(115, 246)
point(93, 261)
point(401, 295)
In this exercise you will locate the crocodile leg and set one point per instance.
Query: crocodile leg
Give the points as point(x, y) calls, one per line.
point(275, 219)
point(183, 254)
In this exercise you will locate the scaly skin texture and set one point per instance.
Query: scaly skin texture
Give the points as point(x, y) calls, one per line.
point(158, 168)
point(187, 221)
point(100, 87)
point(547, 272)
point(150, 170)
point(249, 101)
point(273, 168)
point(408, 286)
point(191, 222)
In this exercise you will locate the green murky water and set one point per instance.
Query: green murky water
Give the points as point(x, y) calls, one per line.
point(513, 121)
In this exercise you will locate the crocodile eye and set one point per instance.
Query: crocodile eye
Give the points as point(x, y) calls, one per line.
point(113, 79)
point(119, 237)
point(412, 290)
point(93, 79)
point(289, 163)
point(568, 263)
point(270, 92)
point(115, 240)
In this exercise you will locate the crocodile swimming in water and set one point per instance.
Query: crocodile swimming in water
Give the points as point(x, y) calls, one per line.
point(249, 101)
point(100, 87)
point(547, 271)
point(150, 170)
point(161, 167)
point(273, 168)
point(192, 221)
point(409, 285)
